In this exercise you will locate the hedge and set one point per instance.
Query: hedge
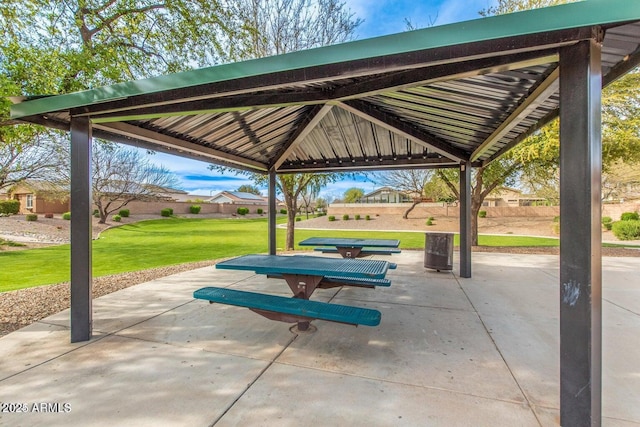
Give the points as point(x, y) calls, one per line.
point(9, 207)
point(627, 230)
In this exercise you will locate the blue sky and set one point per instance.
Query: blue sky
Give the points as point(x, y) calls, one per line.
point(381, 17)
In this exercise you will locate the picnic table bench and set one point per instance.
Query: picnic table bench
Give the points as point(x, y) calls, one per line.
point(303, 274)
point(353, 248)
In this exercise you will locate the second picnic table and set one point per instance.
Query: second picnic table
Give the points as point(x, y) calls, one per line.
point(353, 248)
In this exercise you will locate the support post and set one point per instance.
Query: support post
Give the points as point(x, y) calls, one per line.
point(81, 277)
point(465, 219)
point(272, 212)
point(580, 235)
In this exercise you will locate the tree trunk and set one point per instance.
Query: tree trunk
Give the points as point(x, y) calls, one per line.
point(475, 208)
point(406, 214)
point(291, 225)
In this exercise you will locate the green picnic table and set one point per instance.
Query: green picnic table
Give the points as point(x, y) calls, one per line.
point(303, 274)
point(353, 248)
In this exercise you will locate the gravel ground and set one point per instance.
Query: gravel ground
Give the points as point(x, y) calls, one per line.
point(25, 306)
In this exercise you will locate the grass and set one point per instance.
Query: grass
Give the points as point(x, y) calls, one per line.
point(157, 243)
point(4, 242)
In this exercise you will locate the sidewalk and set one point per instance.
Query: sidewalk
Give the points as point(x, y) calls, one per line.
point(449, 351)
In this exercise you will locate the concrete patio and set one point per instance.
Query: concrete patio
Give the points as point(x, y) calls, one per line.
point(449, 351)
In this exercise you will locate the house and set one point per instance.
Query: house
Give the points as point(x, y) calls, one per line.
point(40, 197)
point(168, 193)
point(505, 196)
point(238, 198)
point(387, 195)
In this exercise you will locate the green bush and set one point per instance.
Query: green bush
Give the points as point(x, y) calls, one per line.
point(283, 211)
point(331, 218)
point(116, 218)
point(48, 215)
point(429, 221)
point(630, 216)
point(166, 212)
point(195, 209)
point(96, 213)
point(9, 207)
point(242, 211)
point(627, 230)
point(556, 218)
point(345, 217)
point(367, 217)
point(31, 217)
point(298, 219)
point(259, 211)
point(482, 214)
point(124, 213)
point(607, 222)
point(357, 217)
point(66, 215)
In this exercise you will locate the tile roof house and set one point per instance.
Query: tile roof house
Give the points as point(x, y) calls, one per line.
point(238, 198)
point(40, 197)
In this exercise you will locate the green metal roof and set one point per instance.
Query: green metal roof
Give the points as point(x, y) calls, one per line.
point(438, 92)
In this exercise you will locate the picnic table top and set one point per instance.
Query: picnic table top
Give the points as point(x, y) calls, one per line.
point(350, 243)
point(308, 266)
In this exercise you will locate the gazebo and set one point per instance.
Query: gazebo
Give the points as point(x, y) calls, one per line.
point(458, 95)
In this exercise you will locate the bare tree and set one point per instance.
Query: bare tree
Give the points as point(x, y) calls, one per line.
point(122, 175)
point(410, 181)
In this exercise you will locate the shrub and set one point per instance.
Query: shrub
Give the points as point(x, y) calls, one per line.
point(195, 209)
point(607, 222)
point(283, 211)
point(482, 214)
point(9, 207)
point(345, 217)
point(166, 212)
point(357, 217)
point(367, 217)
point(48, 215)
point(66, 215)
point(429, 221)
point(242, 211)
point(31, 217)
point(556, 219)
point(124, 213)
point(298, 219)
point(116, 218)
point(331, 218)
point(96, 213)
point(630, 216)
point(259, 211)
point(627, 230)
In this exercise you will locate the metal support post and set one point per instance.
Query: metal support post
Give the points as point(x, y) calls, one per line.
point(81, 278)
point(272, 212)
point(580, 235)
point(465, 220)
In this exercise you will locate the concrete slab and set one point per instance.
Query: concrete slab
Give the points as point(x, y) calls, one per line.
point(449, 351)
point(445, 349)
point(121, 381)
point(294, 396)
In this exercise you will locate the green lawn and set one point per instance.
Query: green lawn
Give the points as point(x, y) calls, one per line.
point(163, 242)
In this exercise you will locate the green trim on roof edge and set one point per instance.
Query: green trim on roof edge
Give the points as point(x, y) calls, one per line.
point(572, 15)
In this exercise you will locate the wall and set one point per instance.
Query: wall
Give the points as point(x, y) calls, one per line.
point(425, 210)
point(138, 207)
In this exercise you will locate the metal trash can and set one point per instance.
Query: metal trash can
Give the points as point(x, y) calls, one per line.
point(438, 251)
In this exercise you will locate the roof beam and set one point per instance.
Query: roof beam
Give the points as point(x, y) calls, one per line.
point(392, 123)
point(540, 94)
point(341, 70)
point(156, 138)
point(303, 129)
point(443, 72)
